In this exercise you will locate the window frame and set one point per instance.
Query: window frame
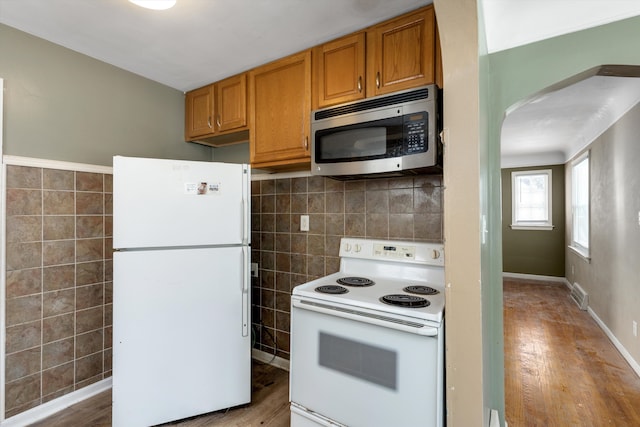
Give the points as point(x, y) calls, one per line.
point(531, 225)
point(579, 248)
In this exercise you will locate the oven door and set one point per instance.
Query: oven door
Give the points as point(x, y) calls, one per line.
point(358, 372)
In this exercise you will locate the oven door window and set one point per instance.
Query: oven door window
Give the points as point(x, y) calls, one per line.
point(364, 141)
point(360, 360)
point(361, 374)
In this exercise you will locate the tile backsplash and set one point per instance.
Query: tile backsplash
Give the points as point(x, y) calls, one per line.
point(58, 283)
point(404, 208)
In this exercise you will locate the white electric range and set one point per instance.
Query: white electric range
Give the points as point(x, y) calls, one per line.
point(367, 342)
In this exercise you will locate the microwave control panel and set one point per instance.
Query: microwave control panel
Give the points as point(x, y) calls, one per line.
point(415, 133)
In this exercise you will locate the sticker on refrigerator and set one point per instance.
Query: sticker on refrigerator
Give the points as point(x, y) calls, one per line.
point(201, 188)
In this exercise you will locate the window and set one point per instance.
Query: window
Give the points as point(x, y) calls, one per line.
point(531, 200)
point(580, 205)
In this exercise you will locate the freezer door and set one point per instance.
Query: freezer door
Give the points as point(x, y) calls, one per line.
point(172, 203)
point(180, 341)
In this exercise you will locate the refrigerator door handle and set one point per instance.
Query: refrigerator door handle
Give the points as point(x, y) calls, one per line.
point(244, 213)
point(246, 205)
point(246, 301)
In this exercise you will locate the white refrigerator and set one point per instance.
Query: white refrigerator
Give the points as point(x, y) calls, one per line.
point(181, 294)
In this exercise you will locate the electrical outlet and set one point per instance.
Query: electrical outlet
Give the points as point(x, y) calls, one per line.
point(635, 329)
point(254, 269)
point(304, 222)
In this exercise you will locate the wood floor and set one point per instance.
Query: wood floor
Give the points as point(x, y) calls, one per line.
point(269, 407)
point(560, 371)
point(560, 368)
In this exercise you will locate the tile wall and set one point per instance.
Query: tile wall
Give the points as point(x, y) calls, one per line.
point(58, 283)
point(406, 208)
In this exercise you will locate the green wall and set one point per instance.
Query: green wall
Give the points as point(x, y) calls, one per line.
point(491, 248)
point(539, 252)
point(62, 105)
point(235, 153)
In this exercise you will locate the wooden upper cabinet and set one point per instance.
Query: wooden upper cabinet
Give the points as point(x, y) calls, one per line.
point(394, 55)
point(216, 109)
point(401, 53)
point(280, 106)
point(439, 78)
point(231, 102)
point(199, 112)
point(339, 72)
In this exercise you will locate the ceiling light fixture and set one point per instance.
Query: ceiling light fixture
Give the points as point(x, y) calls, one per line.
point(155, 4)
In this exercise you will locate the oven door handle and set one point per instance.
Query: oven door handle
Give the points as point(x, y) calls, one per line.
point(367, 317)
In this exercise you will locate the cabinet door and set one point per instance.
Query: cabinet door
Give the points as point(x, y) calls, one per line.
point(231, 103)
point(199, 113)
point(439, 79)
point(401, 53)
point(280, 111)
point(340, 69)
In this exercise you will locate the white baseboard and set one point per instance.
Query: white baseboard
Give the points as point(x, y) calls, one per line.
point(270, 359)
point(494, 418)
point(536, 277)
point(47, 409)
point(623, 351)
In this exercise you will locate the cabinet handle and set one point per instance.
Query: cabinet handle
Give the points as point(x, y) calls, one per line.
point(360, 84)
point(218, 121)
point(209, 122)
point(306, 142)
point(378, 80)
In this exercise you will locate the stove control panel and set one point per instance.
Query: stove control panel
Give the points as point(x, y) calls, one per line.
point(392, 250)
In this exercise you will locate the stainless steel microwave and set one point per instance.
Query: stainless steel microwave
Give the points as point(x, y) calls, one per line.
point(380, 136)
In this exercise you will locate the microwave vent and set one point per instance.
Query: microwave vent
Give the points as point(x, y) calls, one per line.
point(369, 104)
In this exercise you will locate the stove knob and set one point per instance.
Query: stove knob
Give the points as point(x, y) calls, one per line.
point(347, 247)
point(358, 248)
point(435, 254)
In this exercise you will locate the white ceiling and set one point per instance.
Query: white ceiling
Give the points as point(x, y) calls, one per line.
point(512, 23)
point(197, 41)
point(201, 41)
point(554, 126)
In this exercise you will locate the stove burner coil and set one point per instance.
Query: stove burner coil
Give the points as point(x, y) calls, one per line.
point(331, 289)
point(403, 300)
point(355, 281)
point(421, 290)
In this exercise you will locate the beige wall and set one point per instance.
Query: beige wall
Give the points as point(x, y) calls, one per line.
point(62, 105)
point(458, 24)
point(611, 276)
